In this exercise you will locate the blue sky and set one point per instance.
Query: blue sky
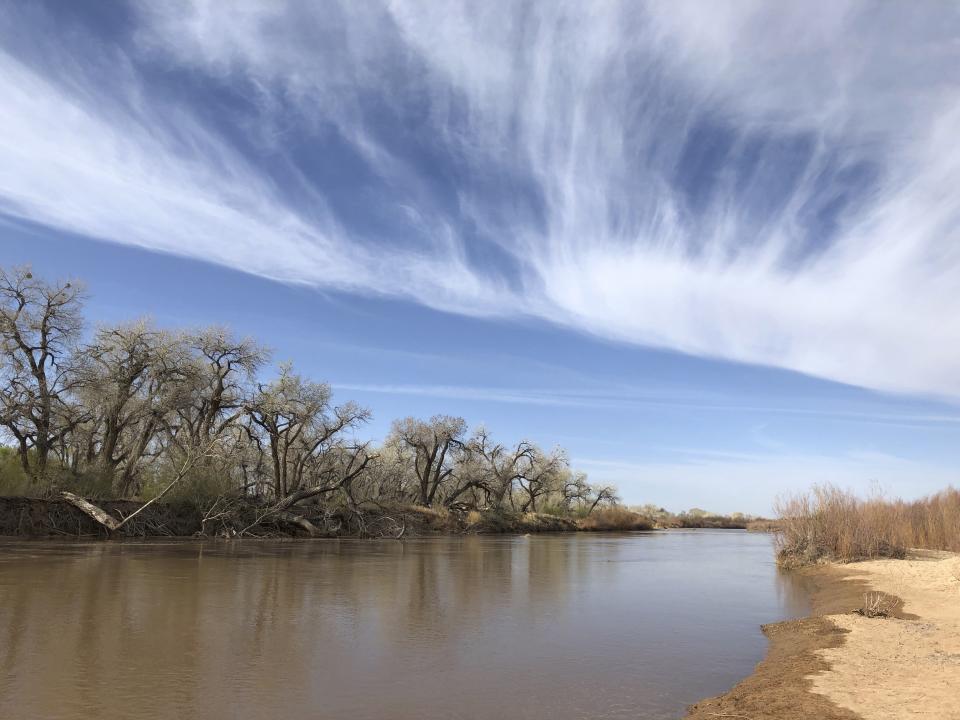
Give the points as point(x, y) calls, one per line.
point(710, 250)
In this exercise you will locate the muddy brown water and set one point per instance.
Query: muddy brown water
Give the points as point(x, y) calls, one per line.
point(562, 626)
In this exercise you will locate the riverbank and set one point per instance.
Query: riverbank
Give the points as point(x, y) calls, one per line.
point(839, 665)
point(55, 518)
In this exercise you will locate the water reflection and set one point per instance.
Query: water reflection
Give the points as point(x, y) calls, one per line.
point(480, 627)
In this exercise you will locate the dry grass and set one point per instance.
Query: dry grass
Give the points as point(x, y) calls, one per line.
point(615, 518)
point(763, 526)
point(832, 524)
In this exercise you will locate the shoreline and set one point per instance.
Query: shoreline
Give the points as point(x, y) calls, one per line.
point(837, 665)
point(53, 517)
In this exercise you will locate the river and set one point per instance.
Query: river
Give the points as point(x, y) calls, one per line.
point(545, 627)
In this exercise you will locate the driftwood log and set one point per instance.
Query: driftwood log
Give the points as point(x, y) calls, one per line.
point(98, 514)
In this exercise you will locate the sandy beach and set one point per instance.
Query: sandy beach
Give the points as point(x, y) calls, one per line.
point(839, 664)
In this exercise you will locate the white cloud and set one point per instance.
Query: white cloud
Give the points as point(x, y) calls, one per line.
point(618, 396)
point(592, 105)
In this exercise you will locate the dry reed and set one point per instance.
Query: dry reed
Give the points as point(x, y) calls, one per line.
point(833, 524)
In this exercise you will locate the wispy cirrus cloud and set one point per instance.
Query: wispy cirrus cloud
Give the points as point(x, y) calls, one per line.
point(745, 181)
point(620, 397)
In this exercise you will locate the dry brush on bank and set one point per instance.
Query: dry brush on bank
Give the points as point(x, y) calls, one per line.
point(699, 519)
point(615, 519)
point(832, 524)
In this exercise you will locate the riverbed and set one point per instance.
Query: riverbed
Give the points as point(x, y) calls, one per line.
point(576, 625)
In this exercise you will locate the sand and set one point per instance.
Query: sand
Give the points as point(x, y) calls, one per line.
point(900, 668)
point(837, 665)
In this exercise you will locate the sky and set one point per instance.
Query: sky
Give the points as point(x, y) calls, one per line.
point(712, 249)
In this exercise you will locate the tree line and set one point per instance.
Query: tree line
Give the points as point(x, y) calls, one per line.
point(134, 411)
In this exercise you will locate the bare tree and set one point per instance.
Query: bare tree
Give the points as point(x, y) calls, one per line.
point(39, 324)
point(603, 494)
point(225, 368)
point(135, 404)
point(576, 490)
point(300, 426)
point(133, 378)
point(492, 468)
point(220, 384)
point(434, 444)
point(541, 476)
point(389, 477)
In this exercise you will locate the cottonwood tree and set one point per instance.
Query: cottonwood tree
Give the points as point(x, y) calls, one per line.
point(133, 378)
point(145, 407)
point(39, 324)
point(602, 494)
point(494, 468)
point(296, 422)
point(219, 386)
point(111, 373)
point(542, 475)
point(434, 443)
point(224, 370)
point(575, 489)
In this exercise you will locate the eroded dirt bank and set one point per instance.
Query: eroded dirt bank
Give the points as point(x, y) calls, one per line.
point(55, 518)
point(837, 664)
